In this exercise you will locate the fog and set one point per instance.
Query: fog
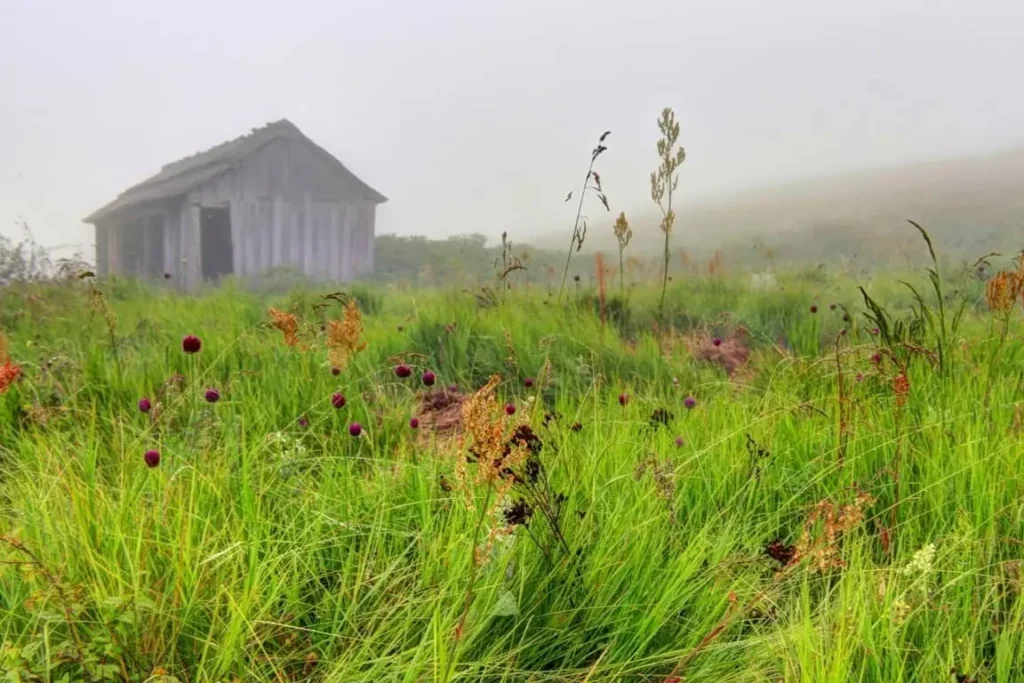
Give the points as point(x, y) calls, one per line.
point(479, 116)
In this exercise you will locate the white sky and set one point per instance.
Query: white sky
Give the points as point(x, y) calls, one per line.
point(479, 116)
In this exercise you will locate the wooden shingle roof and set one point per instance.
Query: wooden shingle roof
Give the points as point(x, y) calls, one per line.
point(181, 176)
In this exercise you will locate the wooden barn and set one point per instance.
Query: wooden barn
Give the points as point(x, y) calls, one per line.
point(272, 198)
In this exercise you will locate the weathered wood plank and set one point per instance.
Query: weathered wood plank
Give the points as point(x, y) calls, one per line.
point(307, 233)
point(347, 236)
point(100, 240)
point(323, 239)
point(333, 243)
point(172, 230)
point(371, 252)
point(278, 246)
point(192, 244)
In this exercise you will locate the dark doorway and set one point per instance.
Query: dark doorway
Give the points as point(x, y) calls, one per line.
point(215, 242)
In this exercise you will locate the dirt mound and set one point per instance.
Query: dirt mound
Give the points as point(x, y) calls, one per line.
point(440, 410)
point(730, 353)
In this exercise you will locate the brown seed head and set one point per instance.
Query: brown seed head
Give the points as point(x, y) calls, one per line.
point(344, 337)
point(1003, 289)
point(288, 324)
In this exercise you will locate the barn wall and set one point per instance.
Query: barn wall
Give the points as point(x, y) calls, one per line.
point(187, 246)
point(133, 243)
point(102, 249)
point(289, 208)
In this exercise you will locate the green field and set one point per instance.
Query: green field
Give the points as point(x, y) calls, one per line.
point(813, 515)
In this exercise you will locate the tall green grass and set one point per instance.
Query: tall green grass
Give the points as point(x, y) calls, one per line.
point(264, 548)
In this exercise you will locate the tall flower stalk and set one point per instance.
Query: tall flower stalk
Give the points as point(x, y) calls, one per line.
point(623, 233)
point(591, 183)
point(664, 181)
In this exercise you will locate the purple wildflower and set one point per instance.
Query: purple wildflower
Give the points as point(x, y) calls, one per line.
point(402, 371)
point(429, 378)
point(144, 405)
point(355, 429)
point(191, 344)
point(338, 399)
point(690, 402)
point(152, 458)
point(212, 395)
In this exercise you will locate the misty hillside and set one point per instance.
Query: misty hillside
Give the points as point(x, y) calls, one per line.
point(967, 203)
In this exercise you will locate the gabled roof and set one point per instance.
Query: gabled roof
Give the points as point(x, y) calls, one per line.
point(186, 174)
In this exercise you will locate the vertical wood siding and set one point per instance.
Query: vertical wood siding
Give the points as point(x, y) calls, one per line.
point(288, 208)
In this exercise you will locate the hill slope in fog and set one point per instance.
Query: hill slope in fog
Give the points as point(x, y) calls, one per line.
point(967, 203)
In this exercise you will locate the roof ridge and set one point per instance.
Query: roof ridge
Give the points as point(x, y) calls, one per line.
point(284, 125)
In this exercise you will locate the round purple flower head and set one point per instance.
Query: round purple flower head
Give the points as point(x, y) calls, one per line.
point(414, 423)
point(402, 371)
point(191, 344)
point(144, 405)
point(528, 382)
point(814, 309)
point(303, 421)
point(152, 458)
point(510, 409)
point(338, 399)
point(623, 399)
point(716, 341)
point(679, 442)
point(690, 402)
point(355, 429)
point(212, 395)
point(335, 371)
point(428, 378)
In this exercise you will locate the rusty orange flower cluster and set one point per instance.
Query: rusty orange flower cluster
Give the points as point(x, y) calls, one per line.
point(901, 388)
point(1003, 289)
point(484, 422)
point(287, 323)
point(345, 337)
point(825, 525)
point(9, 372)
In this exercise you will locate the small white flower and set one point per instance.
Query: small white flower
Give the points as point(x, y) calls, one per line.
point(921, 562)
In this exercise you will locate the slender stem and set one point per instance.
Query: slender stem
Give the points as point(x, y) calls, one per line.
point(576, 226)
point(474, 570)
point(622, 282)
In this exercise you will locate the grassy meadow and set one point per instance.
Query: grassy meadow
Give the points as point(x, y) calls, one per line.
point(758, 493)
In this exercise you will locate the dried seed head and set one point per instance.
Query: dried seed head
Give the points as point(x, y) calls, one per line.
point(623, 233)
point(287, 323)
point(344, 338)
